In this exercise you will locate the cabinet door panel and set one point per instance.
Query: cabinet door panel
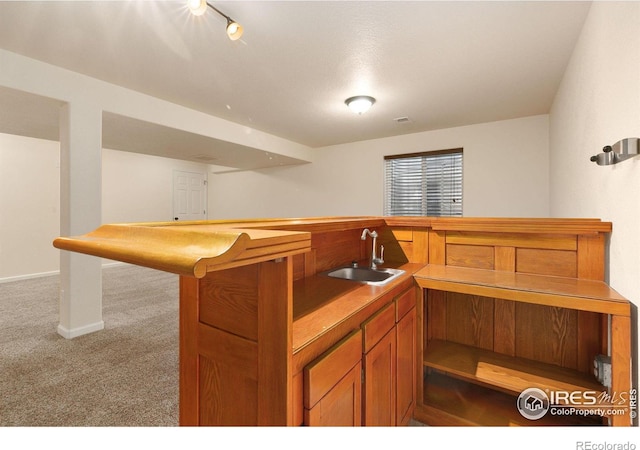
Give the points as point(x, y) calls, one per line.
point(380, 383)
point(405, 303)
point(342, 405)
point(377, 326)
point(333, 385)
point(325, 372)
point(406, 367)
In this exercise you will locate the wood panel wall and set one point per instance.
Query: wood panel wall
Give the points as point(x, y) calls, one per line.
point(235, 365)
point(408, 244)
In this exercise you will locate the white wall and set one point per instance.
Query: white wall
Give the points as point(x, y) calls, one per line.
point(598, 104)
point(139, 188)
point(29, 205)
point(505, 173)
point(135, 188)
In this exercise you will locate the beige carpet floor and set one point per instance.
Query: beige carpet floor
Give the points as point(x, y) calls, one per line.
point(125, 375)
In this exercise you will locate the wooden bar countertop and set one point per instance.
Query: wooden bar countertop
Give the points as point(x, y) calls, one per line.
point(195, 248)
point(189, 248)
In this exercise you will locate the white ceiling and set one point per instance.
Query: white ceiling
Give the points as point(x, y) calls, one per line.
point(441, 64)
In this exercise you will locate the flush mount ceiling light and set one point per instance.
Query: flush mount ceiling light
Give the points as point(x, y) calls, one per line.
point(360, 103)
point(199, 7)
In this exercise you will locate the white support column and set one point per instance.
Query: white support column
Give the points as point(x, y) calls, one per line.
point(80, 212)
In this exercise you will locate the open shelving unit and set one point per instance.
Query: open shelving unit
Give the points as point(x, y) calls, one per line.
point(509, 307)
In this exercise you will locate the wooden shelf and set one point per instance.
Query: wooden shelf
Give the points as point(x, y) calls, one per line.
point(573, 293)
point(449, 402)
point(503, 372)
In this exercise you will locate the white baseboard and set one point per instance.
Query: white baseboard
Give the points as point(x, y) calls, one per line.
point(70, 334)
point(30, 276)
point(109, 265)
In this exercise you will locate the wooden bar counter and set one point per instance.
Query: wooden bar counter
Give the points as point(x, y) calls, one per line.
point(266, 338)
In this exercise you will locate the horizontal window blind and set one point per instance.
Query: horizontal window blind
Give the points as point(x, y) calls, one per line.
point(424, 184)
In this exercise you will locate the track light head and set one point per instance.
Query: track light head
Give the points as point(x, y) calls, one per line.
point(199, 7)
point(234, 29)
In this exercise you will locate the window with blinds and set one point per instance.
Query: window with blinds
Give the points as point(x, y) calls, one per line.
point(424, 184)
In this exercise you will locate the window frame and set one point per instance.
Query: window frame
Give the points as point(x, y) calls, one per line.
point(454, 195)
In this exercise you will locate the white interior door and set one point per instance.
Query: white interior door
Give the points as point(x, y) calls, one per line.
point(189, 196)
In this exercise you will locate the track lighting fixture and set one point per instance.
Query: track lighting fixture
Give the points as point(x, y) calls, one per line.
point(618, 152)
point(199, 7)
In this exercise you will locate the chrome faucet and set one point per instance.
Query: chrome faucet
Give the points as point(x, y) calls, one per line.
point(374, 259)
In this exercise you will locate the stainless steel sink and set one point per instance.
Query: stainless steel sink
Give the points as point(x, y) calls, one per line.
point(376, 277)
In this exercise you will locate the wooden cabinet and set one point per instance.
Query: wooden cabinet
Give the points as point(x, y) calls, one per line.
point(379, 356)
point(332, 385)
point(406, 361)
point(389, 359)
point(379, 405)
point(368, 377)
